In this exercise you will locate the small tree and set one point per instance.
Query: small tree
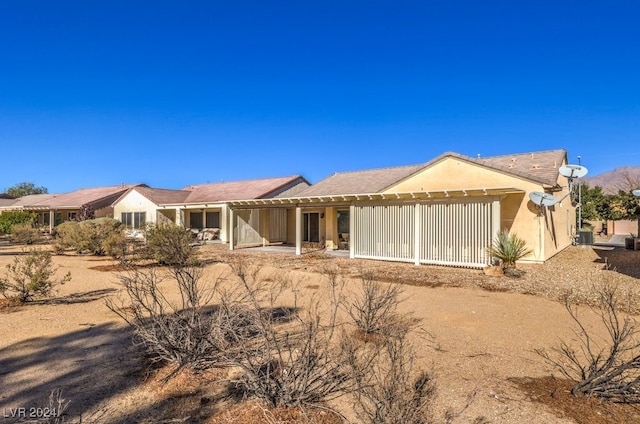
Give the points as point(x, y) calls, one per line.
point(25, 189)
point(11, 218)
point(30, 275)
point(85, 213)
point(508, 248)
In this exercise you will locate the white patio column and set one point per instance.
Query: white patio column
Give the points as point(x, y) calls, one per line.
point(495, 219)
point(352, 231)
point(179, 220)
point(417, 233)
point(52, 217)
point(224, 224)
point(230, 225)
point(298, 230)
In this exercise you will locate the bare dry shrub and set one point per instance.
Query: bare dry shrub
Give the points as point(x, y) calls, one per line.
point(374, 307)
point(609, 368)
point(25, 233)
point(186, 332)
point(293, 360)
point(389, 389)
point(30, 275)
point(56, 409)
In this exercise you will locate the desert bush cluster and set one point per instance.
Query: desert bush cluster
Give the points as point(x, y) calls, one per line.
point(606, 368)
point(30, 275)
point(165, 244)
point(93, 236)
point(286, 353)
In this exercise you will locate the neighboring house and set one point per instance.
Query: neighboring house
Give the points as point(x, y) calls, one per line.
point(447, 211)
point(53, 209)
point(204, 206)
point(5, 201)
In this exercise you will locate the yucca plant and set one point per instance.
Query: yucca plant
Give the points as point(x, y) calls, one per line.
point(508, 248)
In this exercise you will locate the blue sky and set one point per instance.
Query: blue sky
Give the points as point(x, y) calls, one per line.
point(172, 93)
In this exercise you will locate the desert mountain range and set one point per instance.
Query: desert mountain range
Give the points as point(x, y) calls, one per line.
point(624, 178)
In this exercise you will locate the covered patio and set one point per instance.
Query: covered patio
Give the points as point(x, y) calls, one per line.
point(446, 227)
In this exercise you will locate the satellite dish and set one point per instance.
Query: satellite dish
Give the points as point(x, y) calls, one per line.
point(636, 192)
point(543, 199)
point(573, 171)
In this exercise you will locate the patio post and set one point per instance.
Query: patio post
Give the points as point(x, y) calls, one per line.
point(230, 227)
point(298, 230)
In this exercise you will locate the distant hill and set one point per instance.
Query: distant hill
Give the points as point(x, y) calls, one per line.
point(624, 178)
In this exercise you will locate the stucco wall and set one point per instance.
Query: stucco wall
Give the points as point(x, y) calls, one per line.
point(135, 202)
point(546, 231)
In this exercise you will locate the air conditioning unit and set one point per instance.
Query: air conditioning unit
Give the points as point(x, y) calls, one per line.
point(585, 237)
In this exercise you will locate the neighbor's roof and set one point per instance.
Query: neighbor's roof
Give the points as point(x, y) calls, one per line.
point(236, 190)
point(4, 202)
point(84, 196)
point(32, 199)
point(356, 182)
point(161, 196)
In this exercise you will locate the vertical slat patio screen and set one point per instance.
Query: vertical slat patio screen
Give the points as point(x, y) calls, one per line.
point(247, 229)
point(277, 225)
point(450, 233)
point(456, 233)
point(384, 232)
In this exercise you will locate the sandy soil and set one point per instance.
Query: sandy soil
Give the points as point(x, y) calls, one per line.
point(484, 331)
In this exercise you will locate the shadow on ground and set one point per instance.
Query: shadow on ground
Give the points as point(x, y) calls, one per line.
point(620, 260)
point(84, 297)
point(94, 367)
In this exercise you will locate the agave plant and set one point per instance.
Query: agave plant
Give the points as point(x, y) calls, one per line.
point(508, 248)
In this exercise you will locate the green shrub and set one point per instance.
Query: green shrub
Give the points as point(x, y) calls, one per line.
point(169, 244)
point(508, 248)
point(119, 246)
point(25, 233)
point(11, 218)
point(86, 236)
point(30, 275)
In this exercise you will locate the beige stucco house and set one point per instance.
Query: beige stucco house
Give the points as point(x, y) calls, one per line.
point(204, 206)
point(446, 211)
point(54, 209)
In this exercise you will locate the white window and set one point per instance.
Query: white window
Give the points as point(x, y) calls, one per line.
point(133, 219)
point(139, 219)
point(126, 218)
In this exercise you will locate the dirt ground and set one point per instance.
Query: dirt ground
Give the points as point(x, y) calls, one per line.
point(483, 332)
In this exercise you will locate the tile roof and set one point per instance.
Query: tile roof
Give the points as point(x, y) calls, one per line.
point(83, 196)
point(238, 190)
point(538, 166)
point(161, 196)
point(358, 182)
point(32, 200)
